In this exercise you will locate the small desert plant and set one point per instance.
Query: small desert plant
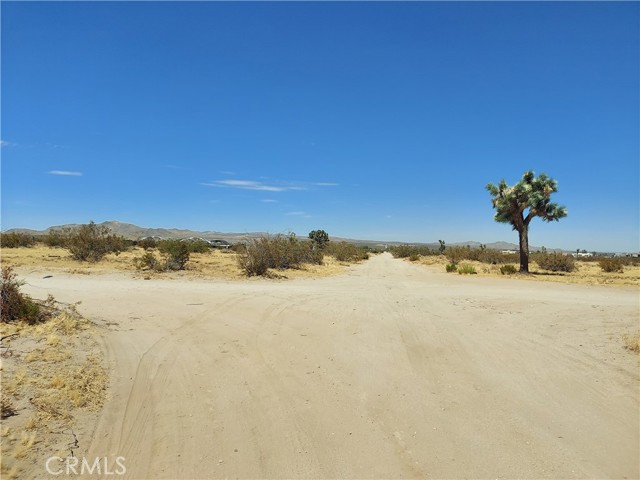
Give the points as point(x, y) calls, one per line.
point(7, 408)
point(455, 254)
point(16, 239)
point(279, 252)
point(466, 270)
point(632, 342)
point(611, 265)
point(451, 267)
point(176, 254)
point(198, 246)
point(414, 257)
point(406, 251)
point(346, 252)
point(15, 306)
point(147, 243)
point(56, 237)
point(508, 269)
point(92, 242)
point(149, 261)
point(555, 262)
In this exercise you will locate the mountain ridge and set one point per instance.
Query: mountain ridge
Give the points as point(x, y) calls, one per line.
point(134, 232)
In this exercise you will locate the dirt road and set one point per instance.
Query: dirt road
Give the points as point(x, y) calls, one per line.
point(389, 371)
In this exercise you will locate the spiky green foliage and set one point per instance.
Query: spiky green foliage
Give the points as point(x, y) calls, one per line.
point(522, 202)
point(532, 193)
point(319, 238)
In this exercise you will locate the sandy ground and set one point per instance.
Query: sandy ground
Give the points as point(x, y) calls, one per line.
point(391, 370)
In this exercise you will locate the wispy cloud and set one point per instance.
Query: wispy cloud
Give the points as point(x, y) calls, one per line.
point(65, 173)
point(249, 185)
point(299, 214)
point(267, 186)
point(269, 200)
point(4, 143)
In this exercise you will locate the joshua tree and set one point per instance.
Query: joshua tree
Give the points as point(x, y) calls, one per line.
point(442, 246)
point(511, 204)
point(319, 237)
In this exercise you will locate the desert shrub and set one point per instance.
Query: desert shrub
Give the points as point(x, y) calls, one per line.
point(414, 257)
point(7, 409)
point(405, 251)
point(611, 265)
point(508, 269)
point(632, 342)
point(346, 252)
point(14, 305)
point(176, 254)
point(466, 270)
point(279, 252)
point(56, 237)
point(148, 261)
point(147, 243)
point(555, 262)
point(92, 242)
point(255, 258)
point(402, 251)
point(16, 239)
point(451, 267)
point(456, 254)
point(197, 246)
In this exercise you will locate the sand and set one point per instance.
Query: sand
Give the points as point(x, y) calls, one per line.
point(390, 370)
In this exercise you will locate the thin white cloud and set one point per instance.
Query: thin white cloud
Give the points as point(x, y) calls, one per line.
point(267, 187)
point(248, 185)
point(4, 143)
point(297, 214)
point(268, 200)
point(65, 173)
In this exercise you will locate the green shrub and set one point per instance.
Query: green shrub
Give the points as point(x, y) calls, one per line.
point(611, 265)
point(279, 252)
point(405, 251)
point(414, 257)
point(508, 269)
point(555, 262)
point(198, 246)
point(56, 238)
point(452, 267)
point(147, 243)
point(346, 252)
point(14, 306)
point(16, 239)
point(92, 242)
point(466, 270)
point(176, 254)
point(319, 237)
point(148, 261)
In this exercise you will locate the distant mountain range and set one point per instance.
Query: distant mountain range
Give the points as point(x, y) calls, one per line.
point(134, 232)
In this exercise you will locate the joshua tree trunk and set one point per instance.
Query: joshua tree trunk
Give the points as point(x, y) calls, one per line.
point(523, 233)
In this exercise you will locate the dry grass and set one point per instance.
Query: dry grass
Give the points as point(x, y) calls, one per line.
point(222, 264)
point(632, 342)
point(586, 273)
point(48, 378)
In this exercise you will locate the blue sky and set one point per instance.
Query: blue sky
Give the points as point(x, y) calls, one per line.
point(372, 120)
